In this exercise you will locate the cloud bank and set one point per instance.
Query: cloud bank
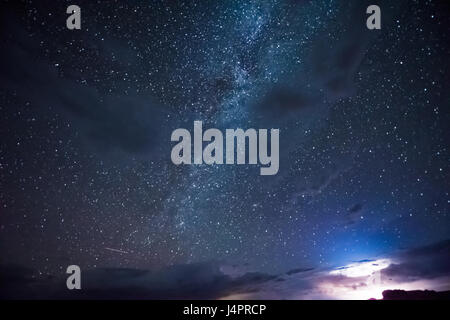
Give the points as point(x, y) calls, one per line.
point(418, 269)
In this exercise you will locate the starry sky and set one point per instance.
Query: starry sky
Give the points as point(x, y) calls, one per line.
point(86, 118)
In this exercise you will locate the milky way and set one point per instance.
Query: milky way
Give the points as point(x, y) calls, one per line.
point(86, 118)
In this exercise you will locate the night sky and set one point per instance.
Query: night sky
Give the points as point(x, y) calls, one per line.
point(86, 118)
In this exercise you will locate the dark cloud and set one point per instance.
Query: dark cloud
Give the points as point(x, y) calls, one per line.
point(298, 270)
point(334, 67)
point(415, 295)
point(356, 208)
point(191, 281)
point(132, 123)
point(427, 262)
point(329, 72)
point(209, 281)
point(282, 101)
point(353, 214)
point(16, 282)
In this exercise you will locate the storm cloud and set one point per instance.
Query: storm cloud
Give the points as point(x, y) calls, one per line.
point(214, 280)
